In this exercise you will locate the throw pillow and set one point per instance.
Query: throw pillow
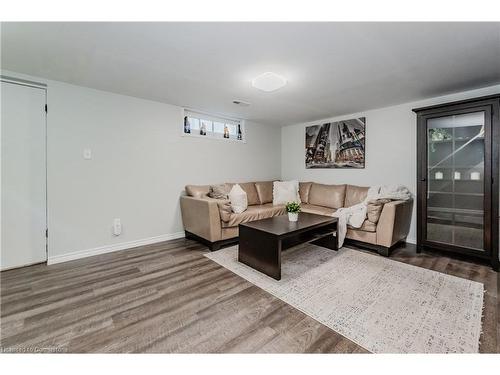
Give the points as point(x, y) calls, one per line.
point(218, 191)
point(225, 210)
point(374, 209)
point(238, 199)
point(285, 191)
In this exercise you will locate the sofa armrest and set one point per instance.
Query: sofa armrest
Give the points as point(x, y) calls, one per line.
point(201, 216)
point(394, 222)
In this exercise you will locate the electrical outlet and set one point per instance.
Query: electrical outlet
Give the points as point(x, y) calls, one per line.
point(117, 227)
point(87, 154)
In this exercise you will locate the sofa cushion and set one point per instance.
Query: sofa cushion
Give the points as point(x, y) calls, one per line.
point(270, 210)
point(331, 196)
point(318, 210)
point(253, 213)
point(367, 226)
point(218, 191)
point(362, 235)
point(229, 232)
point(264, 191)
point(354, 195)
point(374, 209)
point(197, 191)
point(252, 196)
point(304, 188)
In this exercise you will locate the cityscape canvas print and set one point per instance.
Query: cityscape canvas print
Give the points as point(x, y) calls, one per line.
point(338, 144)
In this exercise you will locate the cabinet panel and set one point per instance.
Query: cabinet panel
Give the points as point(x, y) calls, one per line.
point(455, 164)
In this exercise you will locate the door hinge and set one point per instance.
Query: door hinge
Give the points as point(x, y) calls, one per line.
point(46, 233)
point(45, 108)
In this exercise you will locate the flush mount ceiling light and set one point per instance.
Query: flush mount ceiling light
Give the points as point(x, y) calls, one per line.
point(268, 82)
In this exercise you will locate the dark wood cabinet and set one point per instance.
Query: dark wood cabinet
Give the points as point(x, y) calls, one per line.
point(457, 177)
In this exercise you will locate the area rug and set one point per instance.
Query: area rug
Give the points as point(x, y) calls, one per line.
point(383, 305)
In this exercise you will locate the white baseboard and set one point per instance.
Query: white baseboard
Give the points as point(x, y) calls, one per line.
point(110, 248)
point(126, 245)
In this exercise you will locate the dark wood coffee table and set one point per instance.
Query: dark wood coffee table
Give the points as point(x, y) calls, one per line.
point(262, 241)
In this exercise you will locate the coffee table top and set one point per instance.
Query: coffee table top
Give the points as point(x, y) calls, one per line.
point(280, 225)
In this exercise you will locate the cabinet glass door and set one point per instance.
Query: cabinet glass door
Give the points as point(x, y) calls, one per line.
point(455, 180)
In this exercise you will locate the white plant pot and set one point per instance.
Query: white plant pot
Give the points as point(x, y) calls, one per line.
point(293, 216)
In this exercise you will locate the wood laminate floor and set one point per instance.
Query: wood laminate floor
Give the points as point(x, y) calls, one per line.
point(168, 297)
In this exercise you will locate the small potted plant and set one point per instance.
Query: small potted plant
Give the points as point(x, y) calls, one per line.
point(293, 209)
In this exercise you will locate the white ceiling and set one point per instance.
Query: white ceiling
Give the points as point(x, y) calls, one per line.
point(332, 68)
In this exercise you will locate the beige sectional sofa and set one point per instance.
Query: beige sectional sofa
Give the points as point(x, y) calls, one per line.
point(212, 222)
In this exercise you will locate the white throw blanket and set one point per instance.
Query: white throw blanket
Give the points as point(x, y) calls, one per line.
point(356, 215)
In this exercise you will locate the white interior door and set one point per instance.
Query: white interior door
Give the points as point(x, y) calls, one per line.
point(23, 141)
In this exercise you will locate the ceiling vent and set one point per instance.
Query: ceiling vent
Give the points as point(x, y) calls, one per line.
point(241, 103)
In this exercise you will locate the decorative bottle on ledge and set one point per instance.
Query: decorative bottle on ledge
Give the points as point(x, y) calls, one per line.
point(240, 136)
point(187, 126)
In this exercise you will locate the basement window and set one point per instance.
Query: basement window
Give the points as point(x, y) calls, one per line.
point(202, 125)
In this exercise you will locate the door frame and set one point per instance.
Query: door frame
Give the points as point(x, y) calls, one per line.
point(491, 105)
point(40, 86)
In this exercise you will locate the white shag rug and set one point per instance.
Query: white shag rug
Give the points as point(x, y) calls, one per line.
point(383, 305)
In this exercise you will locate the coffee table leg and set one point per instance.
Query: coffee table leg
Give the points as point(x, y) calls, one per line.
point(336, 241)
point(330, 241)
point(260, 251)
point(336, 237)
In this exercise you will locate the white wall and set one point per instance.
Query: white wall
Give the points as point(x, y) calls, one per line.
point(140, 165)
point(390, 148)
